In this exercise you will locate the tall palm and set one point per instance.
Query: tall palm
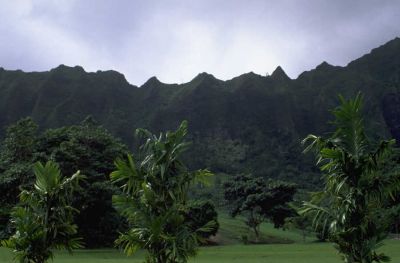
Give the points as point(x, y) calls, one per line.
point(154, 199)
point(356, 185)
point(44, 218)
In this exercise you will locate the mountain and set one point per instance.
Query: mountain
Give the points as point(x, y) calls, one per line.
point(250, 123)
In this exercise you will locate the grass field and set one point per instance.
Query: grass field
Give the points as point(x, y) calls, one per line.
point(231, 230)
point(287, 247)
point(277, 253)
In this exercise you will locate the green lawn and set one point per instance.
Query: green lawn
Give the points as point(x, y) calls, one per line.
point(282, 253)
point(277, 253)
point(231, 230)
point(288, 247)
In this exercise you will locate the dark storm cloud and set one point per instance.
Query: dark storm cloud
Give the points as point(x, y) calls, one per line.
point(177, 39)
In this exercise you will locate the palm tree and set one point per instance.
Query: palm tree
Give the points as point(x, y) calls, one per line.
point(43, 219)
point(154, 199)
point(356, 186)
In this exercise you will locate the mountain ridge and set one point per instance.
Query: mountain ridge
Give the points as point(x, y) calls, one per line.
point(250, 123)
point(322, 65)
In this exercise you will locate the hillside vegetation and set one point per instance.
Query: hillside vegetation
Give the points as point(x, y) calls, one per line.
point(250, 123)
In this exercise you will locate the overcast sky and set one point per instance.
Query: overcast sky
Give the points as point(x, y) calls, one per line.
point(175, 40)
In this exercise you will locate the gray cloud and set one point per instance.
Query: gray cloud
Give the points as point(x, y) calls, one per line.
point(175, 40)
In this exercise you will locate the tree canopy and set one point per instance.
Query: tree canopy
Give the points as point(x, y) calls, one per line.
point(259, 200)
point(87, 147)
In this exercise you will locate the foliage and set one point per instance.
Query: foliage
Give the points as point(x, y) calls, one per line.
point(92, 149)
point(356, 188)
point(17, 153)
point(236, 125)
point(154, 199)
point(43, 220)
point(200, 213)
point(259, 200)
point(20, 141)
point(87, 147)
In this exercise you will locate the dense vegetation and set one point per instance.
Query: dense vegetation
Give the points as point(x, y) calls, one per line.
point(86, 147)
point(237, 125)
point(249, 127)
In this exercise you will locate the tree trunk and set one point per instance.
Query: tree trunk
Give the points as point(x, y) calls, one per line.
point(257, 233)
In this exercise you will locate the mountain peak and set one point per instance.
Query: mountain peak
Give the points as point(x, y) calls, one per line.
point(63, 67)
point(279, 74)
point(112, 75)
point(324, 66)
point(203, 76)
point(152, 82)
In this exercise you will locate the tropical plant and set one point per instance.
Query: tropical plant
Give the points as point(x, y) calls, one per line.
point(259, 200)
point(154, 199)
point(199, 213)
point(86, 146)
point(357, 185)
point(43, 219)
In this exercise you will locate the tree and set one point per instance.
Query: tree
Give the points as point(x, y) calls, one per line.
point(87, 147)
point(357, 186)
point(16, 157)
point(17, 154)
point(154, 199)
point(92, 149)
point(200, 213)
point(43, 220)
point(259, 200)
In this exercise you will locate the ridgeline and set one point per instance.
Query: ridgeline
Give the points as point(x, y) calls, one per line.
point(251, 123)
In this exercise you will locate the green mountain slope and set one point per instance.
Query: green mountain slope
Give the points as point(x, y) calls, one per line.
point(250, 123)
